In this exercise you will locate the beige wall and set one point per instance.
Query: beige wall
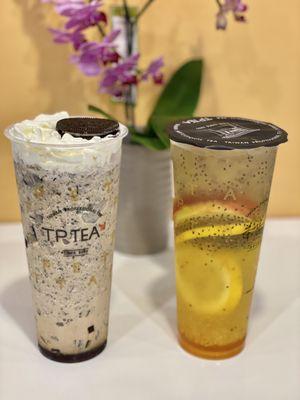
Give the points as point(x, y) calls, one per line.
point(251, 70)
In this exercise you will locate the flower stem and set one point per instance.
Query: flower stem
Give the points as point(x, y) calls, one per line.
point(129, 106)
point(100, 29)
point(143, 9)
point(127, 117)
point(219, 3)
point(132, 116)
point(129, 28)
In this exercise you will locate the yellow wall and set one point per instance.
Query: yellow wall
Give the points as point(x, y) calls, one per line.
point(251, 70)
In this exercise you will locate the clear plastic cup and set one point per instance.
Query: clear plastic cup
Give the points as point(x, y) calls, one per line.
point(68, 198)
point(221, 198)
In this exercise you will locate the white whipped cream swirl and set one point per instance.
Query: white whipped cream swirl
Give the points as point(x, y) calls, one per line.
point(38, 142)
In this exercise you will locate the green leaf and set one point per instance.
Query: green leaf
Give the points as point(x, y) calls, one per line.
point(181, 94)
point(100, 111)
point(159, 125)
point(153, 143)
point(178, 100)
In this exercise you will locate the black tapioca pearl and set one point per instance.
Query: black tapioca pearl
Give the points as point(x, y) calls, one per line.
point(59, 324)
point(91, 329)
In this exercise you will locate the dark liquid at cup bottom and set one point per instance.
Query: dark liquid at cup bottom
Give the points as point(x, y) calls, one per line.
point(72, 358)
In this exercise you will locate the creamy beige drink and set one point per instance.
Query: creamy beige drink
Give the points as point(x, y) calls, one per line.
point(68, 189)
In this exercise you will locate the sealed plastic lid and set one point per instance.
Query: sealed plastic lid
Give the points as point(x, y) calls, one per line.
point(226, 133)
point(87, 128)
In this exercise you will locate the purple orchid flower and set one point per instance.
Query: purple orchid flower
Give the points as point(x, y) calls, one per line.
point(117, 78)
point(153, 70)
point(221, 22)
point(93, 55)
point(76, 38)
point(81, 15)
point(60, 2)
point(237, 7)
point(96, 58)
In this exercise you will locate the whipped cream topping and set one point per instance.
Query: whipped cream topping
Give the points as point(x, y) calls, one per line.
point(41, 130)
point(37, 142)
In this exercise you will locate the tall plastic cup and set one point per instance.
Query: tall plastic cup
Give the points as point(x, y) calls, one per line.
point(223, 170)
point(68, 191)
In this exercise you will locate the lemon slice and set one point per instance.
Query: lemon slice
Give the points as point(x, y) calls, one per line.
point(219, 230)
point(208, 284)
point(229, 222)
point(205, 208)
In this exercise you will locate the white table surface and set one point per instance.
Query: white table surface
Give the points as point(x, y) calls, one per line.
point(143, 360)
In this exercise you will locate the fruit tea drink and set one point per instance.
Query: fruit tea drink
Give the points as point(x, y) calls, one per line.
point(67, 172)
point(222, 175)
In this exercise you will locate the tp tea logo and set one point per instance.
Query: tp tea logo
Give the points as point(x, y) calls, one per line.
point(228, 130)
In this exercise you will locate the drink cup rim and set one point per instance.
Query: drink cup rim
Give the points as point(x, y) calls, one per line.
point(107, 140)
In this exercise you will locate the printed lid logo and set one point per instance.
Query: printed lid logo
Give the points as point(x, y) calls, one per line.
point(228, 130)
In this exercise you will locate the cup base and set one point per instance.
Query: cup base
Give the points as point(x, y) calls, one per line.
point(212, 352)
point(72, 358)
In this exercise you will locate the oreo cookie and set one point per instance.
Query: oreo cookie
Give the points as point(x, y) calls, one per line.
point(86, 127)
point(226, 133)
